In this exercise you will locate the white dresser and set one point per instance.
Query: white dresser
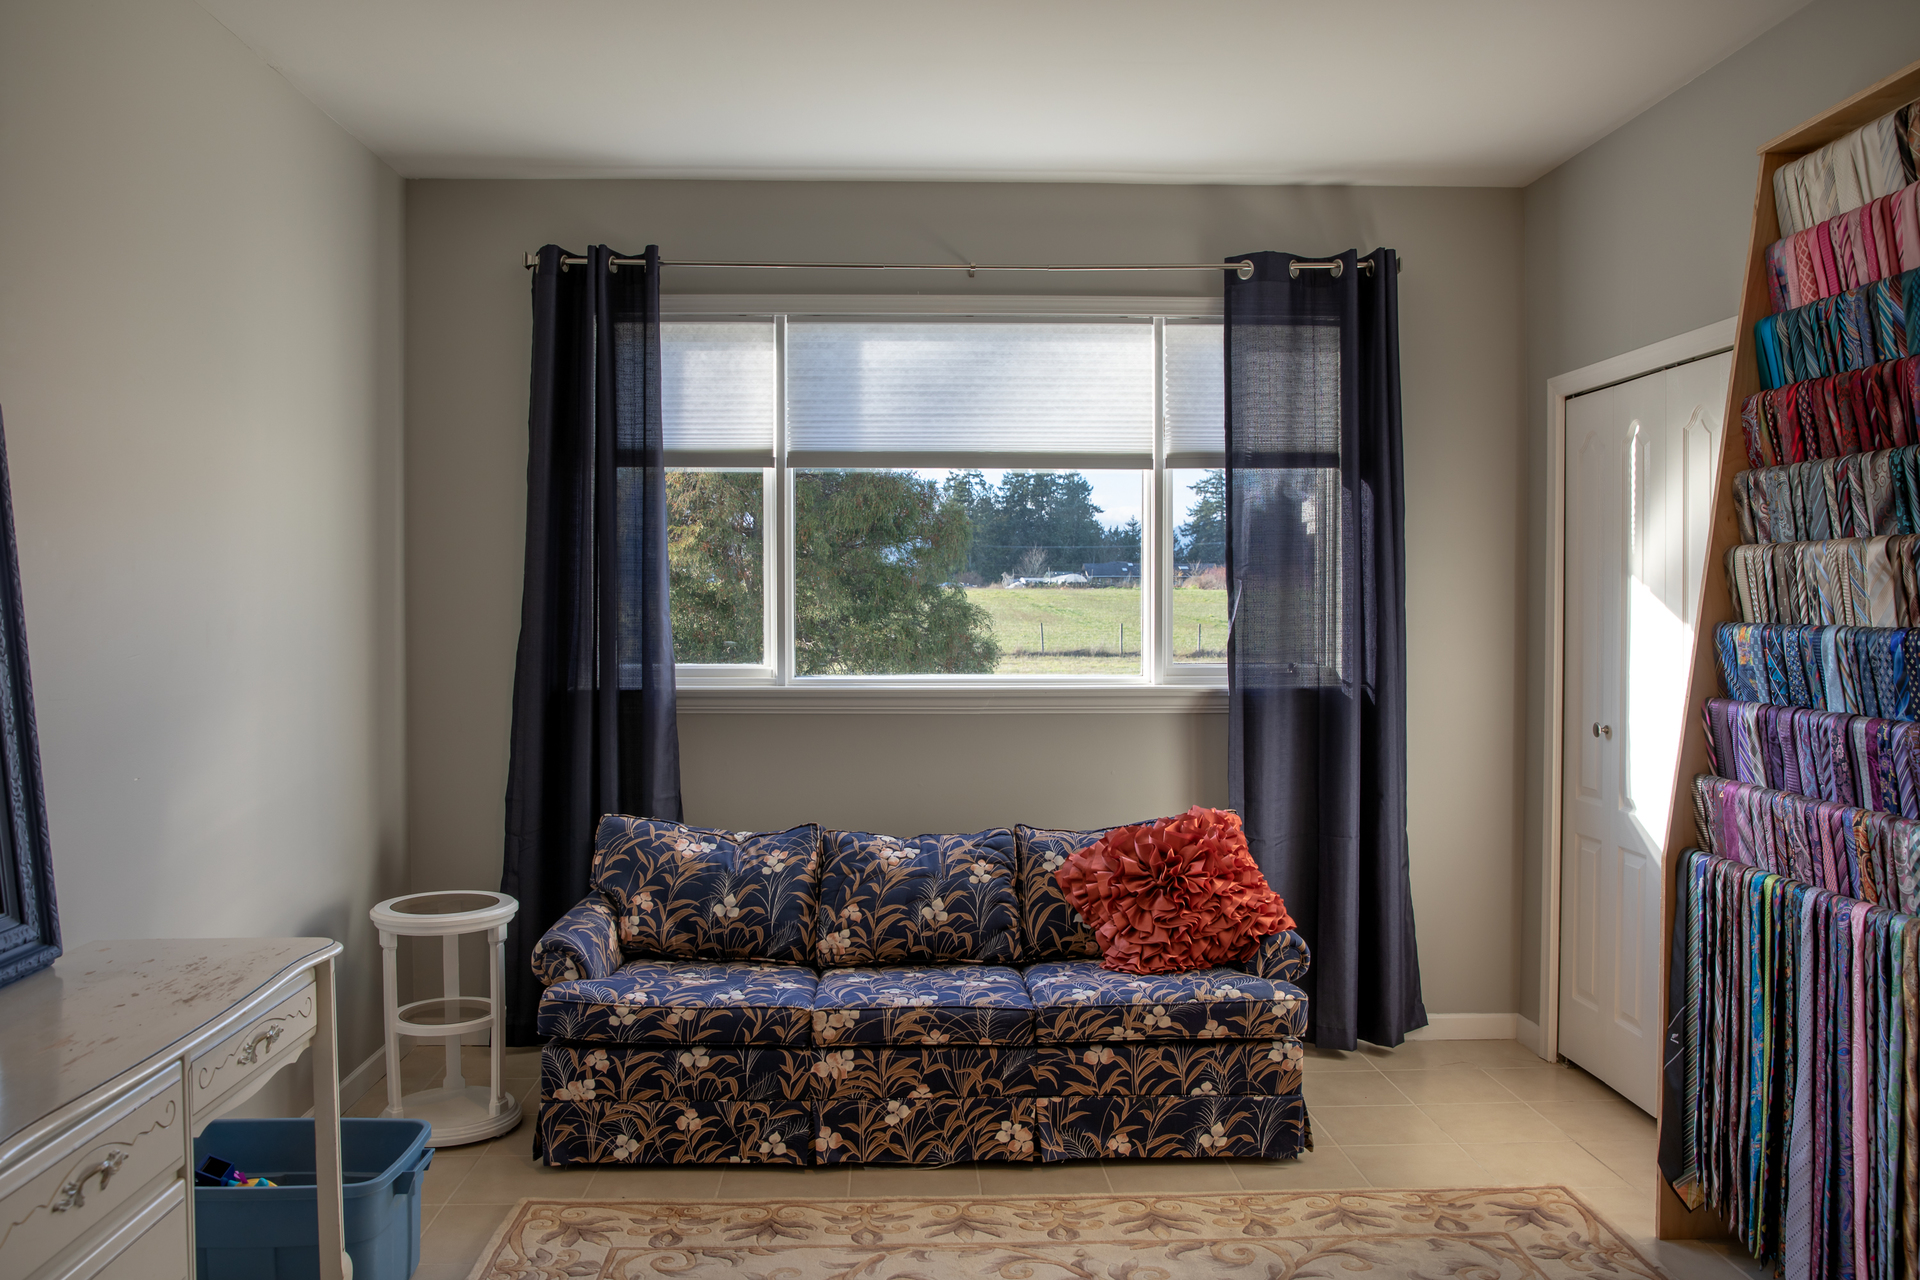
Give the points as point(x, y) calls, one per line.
point(113, 1059)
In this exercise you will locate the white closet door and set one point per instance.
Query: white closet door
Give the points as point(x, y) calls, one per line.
point(1640, 463)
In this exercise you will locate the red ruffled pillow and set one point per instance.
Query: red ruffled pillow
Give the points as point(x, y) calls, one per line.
point(1178, 894)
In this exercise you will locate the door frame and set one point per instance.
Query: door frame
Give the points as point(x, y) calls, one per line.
point(1709, 340)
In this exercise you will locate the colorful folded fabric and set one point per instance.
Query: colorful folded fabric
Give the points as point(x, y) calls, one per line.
point(1845, 582)
point(1790, 1084)
point(1875, 160)
point(1853, 760)
point(1859, 411)
point(1879, 239)
point(1861, 671)
point(1834, 335)
point(1874, 857)
point(1861, 495)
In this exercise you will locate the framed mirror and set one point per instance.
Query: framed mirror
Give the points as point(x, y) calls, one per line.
point(29, 921)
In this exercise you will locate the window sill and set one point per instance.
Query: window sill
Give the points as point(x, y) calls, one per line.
point(906, 699)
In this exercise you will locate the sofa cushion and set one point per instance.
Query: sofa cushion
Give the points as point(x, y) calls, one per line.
point(693, 893)
point(911, 1005)
point(1078, 1002)
point(684, 1002)
point(927, 900)
point(1051, 928)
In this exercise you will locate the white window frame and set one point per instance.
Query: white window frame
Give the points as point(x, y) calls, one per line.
point(773, 685)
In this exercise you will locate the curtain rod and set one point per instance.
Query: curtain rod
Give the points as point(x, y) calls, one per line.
point(1243, 268)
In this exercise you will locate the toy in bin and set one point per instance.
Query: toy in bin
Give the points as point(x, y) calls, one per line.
point(215, 1172)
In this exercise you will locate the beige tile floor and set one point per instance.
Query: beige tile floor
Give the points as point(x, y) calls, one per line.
point(1432, 1113)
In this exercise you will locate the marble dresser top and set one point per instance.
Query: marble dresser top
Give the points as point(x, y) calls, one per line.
point(106, 1007)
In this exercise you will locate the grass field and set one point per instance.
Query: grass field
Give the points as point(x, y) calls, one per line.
point(1095, 630)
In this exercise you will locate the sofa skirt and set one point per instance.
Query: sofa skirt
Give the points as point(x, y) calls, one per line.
point(684, 1131)
point(621, 1104)
point(958, 1130)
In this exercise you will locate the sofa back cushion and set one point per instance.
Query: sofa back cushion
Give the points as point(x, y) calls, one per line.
point(924, 900)
point(692, 893)
point(1051, 928)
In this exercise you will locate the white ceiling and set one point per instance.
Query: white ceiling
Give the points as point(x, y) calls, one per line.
point(1458, 92)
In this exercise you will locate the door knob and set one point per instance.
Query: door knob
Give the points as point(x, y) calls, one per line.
point(1602, 730)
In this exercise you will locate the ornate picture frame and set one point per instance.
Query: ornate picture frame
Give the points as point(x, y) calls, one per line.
point(29, 917)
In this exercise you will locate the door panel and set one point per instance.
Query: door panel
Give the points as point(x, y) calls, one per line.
point(1640, 459)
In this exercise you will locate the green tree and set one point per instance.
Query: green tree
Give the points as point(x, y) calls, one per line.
point(1037, 519)
point(714, 565)
point(874, 555)
point(1203, 538)
point(1123, 541)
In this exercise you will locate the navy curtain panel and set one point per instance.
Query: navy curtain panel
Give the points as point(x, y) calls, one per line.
point(593, 701)
point(1316, 651)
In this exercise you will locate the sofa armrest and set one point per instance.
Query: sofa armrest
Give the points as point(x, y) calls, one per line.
point(1282, 957)
point(584, 943)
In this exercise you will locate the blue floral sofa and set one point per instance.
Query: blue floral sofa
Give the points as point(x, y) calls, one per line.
point(810, 997)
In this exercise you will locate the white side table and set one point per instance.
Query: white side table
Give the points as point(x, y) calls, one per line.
point(459, 1113)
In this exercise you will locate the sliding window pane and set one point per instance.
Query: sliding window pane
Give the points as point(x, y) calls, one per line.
point(1199, 595)
point(967, 572)
point(716, 558)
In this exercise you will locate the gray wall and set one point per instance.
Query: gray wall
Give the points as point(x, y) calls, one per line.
point(200, 301)
point(467, 343)
point(1643, 236)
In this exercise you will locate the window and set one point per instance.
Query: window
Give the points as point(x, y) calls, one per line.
point(947, 499)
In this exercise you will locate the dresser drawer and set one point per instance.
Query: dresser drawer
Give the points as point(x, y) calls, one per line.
point(157, 1253)
point(251, 1054)
point(81, 1182)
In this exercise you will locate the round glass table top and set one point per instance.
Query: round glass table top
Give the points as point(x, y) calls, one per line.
point(442, 904)
point(445, 911)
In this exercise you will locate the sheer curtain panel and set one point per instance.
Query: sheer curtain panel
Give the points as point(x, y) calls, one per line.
point(1316, 655)
point(593, 700)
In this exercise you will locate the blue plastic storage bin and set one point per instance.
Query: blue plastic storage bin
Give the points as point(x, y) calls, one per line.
point(273, 1233)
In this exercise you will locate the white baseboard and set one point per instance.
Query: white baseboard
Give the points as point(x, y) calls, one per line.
point(354, 1084)
point(1468, 1026)
point(1528, 1034)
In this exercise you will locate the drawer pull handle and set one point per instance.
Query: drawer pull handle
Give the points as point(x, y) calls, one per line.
point(73, 1193)
point(262, 1042)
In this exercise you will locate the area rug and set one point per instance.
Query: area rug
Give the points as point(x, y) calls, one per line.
point(1482, 1234)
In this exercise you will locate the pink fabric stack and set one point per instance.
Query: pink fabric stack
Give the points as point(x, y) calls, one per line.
point(1876, 241)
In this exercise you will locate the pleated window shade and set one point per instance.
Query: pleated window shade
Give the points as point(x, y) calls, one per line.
point(719, 392)
point(1196, 401)
point(957, 393)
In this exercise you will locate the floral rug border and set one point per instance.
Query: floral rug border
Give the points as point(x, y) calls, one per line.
point(1620, 1250)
